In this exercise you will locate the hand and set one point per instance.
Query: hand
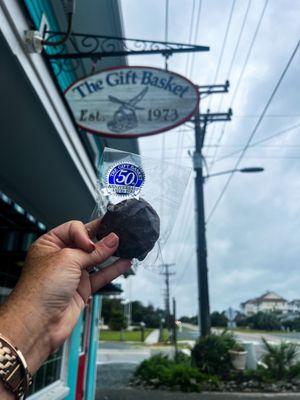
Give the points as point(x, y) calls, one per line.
point(45, 305)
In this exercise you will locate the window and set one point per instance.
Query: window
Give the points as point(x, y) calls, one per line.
point(48, 373)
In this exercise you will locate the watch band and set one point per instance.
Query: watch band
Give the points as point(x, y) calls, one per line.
point(13, 369)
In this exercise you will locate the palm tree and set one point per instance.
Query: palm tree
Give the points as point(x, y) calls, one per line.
point(279, 358)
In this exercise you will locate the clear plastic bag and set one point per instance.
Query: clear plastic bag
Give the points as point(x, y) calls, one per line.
point(124, 176)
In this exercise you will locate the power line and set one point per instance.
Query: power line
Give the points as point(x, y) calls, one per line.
point(184, 271)
point(254, 130)
point(223, 47)
point(195, 38)
point(235, 51)
point(245, 63)
point(190, 34)
point(167, 21)
point(196, 23)
point(291, 128)
point(180, 137)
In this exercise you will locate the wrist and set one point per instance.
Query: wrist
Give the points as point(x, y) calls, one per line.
point(20, 324)
point(5, 394)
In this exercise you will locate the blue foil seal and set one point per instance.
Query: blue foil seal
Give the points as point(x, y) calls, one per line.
point(125, 179)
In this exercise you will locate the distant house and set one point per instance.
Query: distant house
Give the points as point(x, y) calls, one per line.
point(294, 306)
point(269, 301)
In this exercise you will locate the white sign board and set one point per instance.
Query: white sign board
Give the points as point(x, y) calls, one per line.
point(132, 101)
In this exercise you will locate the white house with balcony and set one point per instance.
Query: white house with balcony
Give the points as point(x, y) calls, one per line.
point(268, 302)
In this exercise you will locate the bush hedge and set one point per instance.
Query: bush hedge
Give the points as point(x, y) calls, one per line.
point(211, 354)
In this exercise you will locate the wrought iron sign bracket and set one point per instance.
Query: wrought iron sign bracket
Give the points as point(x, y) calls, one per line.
point(81, 46)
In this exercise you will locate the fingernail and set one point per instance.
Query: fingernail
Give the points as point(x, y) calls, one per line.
point(92, 244)
point(111, 240)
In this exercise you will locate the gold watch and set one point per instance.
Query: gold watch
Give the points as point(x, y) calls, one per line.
point(13, 369)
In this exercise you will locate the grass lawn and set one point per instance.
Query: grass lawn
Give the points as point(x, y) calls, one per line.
point(165, 335)
point(130, 336)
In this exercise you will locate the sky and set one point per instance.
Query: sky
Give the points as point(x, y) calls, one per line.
point(252, 237)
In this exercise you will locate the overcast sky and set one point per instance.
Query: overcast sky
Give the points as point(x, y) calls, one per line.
point(253, 236)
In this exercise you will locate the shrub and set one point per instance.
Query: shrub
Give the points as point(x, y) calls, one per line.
point(279, 358)
point(264, 320)
point(182, 358)
point(293, 325)
point(238, 347)
point(147, 370)
point(185, 377)
point(160, 371)
point(210, 354)
point(294, 371)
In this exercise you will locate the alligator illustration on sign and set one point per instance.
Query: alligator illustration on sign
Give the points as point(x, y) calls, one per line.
point(125, 119)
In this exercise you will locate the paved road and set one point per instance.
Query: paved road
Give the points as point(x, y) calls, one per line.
point(111, 352)
point(133, 394)
point(190, 332)
point(120, 345)
point(115, 376)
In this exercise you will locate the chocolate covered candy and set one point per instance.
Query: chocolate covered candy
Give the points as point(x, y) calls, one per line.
point(137, 225)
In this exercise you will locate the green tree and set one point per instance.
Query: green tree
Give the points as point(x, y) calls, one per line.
point(189, 320)
point(150, 315)
point(293, 325)
point(241, 319)
point(218, 319)
point(117, 321)
point(109, 306)
point(263, 320)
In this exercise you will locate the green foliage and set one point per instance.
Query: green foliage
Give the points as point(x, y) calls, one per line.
point(294, 371)
point(182, 358)
point(117, 321)
point(150, 315)
point(149, 369)
point(210, 354)
point(218, 319)
point(265, 321)
point(108, 306)
point(189, 320)
point(279, 358)
point(160, 370)
point(293, 325)
point(116, 336)
point(238, 347)
point(260, 375)
point(187, 378)
point(241, 320)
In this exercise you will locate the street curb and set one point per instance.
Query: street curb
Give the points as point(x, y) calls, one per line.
point(270, 395)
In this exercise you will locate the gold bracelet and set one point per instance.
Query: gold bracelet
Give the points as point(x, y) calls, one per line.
point(14, 372)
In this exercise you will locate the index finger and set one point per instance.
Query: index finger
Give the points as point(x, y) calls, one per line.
point(106, 275)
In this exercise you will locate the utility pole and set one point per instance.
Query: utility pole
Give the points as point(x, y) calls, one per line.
point(201, 121)
point(175, 328)
point(167, 275)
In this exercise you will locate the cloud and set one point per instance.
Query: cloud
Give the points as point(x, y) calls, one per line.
point(252, 239)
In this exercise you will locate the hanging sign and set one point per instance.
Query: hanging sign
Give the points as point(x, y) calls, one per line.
point(132, 101)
